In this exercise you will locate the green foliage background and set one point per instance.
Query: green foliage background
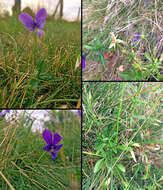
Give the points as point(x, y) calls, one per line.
point(122, 136)
point(39, 72)
point(25, 164)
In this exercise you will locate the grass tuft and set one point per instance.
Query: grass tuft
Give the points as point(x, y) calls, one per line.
point(25, 165)
point(122, 136)
point(39, 72)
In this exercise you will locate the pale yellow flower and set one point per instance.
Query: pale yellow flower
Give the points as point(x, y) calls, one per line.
point(115, 41)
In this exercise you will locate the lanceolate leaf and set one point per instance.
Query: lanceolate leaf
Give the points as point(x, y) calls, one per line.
point(121, 167)
point(102, 59)
point(98, 165)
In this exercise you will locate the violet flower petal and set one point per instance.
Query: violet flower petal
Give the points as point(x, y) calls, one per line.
point(79, 112)
point(136, 34)
point(83, 62)
point(47, 136)
point(47, 148)
point(52, 143)
point(98, 52)
point(56, 139)
point(136, 39)
point(27, 20)
point(41, 18)
point(54, 155)
point(58, 147)
point(39, 33)
point(4, 112)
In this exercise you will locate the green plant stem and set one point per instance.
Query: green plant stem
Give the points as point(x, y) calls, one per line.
point(120, 108)
point(132, 55)
point(92, 154)
point(40, 157)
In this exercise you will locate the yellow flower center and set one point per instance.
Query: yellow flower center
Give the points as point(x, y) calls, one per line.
point(36, 29)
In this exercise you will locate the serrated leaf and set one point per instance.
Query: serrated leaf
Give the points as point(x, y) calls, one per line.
point(98, 165)
point(121, 167)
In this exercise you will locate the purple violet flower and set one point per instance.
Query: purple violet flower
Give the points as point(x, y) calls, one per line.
point(137, 35)
point(79, 112)
point(36, 25)
point(98, 52)
point(4, 112)
point(52, 143)
point(83, 62)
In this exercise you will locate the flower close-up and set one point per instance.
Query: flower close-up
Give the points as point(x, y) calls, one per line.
point(115, 41)
point(137, 36)
point(4, 112)
point(36, 25)
point(52, 143)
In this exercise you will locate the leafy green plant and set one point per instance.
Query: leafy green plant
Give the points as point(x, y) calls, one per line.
point(109, 20)
point(146, 71)
point(39, 72)
point(97, 48)
point(122, 135)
